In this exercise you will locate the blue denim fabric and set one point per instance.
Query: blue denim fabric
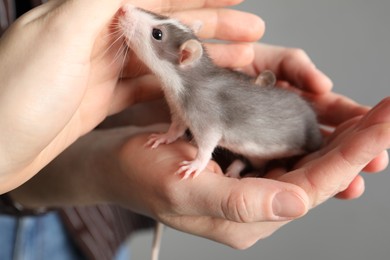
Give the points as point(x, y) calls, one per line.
point(123, 252)
point(40, 238)
point(35, 238)
point(7, 237)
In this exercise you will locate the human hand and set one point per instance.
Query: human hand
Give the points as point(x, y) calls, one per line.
point(60, 75)
point(238, 212)
point(295, 71)
point(350, 120)
point(292, 67)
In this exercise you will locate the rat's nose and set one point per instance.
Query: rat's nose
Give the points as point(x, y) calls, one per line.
point(126, 9)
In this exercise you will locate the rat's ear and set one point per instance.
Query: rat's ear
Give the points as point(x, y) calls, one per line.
point(190, 52)
point(266, 78)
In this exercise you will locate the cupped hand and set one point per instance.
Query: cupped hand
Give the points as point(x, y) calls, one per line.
point(240, 212)
point(211, 205)
point(358, 143)
point(295, 71)
point(60, 76)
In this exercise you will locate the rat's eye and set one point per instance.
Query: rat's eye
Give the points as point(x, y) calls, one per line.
point(157, 34)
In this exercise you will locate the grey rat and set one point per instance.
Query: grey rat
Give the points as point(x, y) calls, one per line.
point(221, 107)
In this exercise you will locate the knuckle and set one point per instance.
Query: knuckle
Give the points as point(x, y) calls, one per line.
point(240, 208)
point(293, 56)
point(312, 187)
point(236, 209)
point(297, 53)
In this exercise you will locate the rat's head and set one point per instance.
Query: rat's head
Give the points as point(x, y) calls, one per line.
point(159, 41)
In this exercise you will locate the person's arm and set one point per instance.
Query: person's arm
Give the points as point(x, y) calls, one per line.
point(82, 174)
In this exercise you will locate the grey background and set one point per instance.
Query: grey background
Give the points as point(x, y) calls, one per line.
point(349, 40)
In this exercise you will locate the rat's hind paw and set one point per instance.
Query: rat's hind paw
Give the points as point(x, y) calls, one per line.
point(235, 168)
point(188, 168)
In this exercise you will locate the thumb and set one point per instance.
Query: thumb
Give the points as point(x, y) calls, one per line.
point(249, 199)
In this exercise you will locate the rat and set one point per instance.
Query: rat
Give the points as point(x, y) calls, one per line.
point(221, 107)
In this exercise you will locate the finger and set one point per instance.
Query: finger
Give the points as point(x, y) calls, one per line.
point(354, 190)
point(230, 55)
point(375, 116)
point(224, 24)
point(132, 91)
point(331, 173)
point(246, 200)
point(291, 65)
point(340, 132)
point(379, 114)
point(172, 5)
point(378, 164)
point(297, 67)
point(334, 109)
point(275, 174)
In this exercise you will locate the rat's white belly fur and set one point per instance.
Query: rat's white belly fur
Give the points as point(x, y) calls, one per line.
point(254, 150)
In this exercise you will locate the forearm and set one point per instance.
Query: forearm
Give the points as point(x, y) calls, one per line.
point(79, 176)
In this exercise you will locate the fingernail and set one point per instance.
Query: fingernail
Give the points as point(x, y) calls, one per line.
point(288, 205)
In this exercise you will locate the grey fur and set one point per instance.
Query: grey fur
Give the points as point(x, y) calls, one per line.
point(224, 107)
point(222, 100)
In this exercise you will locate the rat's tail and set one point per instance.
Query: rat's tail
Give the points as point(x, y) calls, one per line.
point(157, 240)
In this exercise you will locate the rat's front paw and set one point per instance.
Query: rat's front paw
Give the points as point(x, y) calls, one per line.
point(193, 168)
point(155, 140)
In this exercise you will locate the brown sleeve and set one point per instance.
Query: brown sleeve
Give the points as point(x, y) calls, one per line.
point(11, 9)
point(7, 14)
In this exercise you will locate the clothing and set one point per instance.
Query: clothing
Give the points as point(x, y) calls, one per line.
point(93, 232)
point(100, 230)
point(42, 237)
point(11, 9)
point(36, 238)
